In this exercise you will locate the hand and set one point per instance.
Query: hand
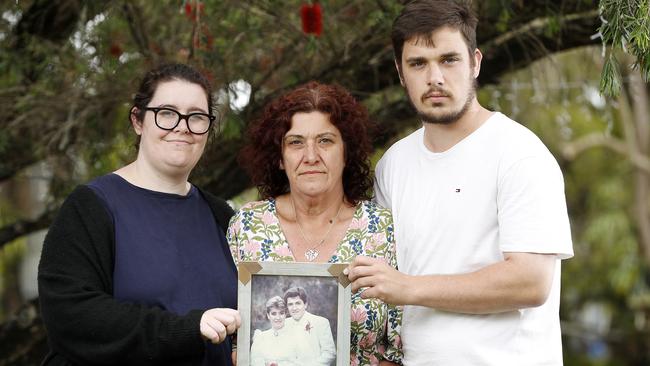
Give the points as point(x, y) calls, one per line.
point(380, 280)
point(217, 323)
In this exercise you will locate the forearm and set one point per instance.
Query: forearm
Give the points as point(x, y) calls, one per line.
point(522, 280)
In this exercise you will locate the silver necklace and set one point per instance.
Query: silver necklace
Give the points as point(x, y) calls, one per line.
point(312, 253)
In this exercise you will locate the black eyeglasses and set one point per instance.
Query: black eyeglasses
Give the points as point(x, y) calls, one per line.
point(168, 119)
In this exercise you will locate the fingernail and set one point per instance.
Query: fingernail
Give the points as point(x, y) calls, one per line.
point(345, 271)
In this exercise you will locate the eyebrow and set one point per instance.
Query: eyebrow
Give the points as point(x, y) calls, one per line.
point(451, 54)
point(190, 110)
point(413, 59)
point(319, 135)
point(445, 55)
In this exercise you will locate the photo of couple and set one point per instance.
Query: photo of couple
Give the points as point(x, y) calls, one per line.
point(293, 333)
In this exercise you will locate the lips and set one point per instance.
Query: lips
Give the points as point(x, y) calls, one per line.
point(435, 95)
point(179, 141)
point(311, 172)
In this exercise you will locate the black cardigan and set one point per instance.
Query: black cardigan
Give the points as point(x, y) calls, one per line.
point(85, 324)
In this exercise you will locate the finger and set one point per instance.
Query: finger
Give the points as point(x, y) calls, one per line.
point(220, 330)
point(208, 332)
point(231, 328)
point(371, 293)
point(362, 282)
point(238, 319)
point(362, 260)
point(362, 271)
point(225, 317)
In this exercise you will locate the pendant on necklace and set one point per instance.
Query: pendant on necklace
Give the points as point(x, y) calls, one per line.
point(311, 254)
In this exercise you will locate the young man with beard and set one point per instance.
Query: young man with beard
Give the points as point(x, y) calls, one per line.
point(480, 215)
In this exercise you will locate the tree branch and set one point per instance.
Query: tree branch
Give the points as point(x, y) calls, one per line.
point(535, 26)
point(573, 149)
point(16, 229)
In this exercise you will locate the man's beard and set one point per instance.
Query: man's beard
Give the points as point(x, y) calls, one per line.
point(450, 117)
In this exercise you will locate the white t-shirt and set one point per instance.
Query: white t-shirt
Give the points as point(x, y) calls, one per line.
point(498, 190)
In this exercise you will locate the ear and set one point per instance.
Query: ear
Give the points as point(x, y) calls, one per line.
point(478, 57)
point(137, 125)
point(399, 72)
point(281, 165)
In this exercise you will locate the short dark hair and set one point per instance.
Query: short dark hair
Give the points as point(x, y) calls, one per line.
point(295, 292)
point(163, 73)
point(262, 154)
point(420, 18)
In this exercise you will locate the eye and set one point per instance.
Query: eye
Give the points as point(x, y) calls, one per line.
point(450, 60)
point(416, 64)
point(166, 113)
point(325, 140)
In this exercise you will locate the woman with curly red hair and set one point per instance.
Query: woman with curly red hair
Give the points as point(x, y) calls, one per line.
point(308, 155)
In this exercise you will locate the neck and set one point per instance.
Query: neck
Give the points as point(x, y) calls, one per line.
point(142, 174)
point(314, 207)
point(442, 137)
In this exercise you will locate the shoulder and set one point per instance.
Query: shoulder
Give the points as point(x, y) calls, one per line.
point(375, 213)
point(254, 209)
point(217, 204)
point(317, 319)
point(219, 207)
point(84, 200)
point(251, 212)
point(405, 145)
point(258, 206)
point(515, 138)
point(374, 208)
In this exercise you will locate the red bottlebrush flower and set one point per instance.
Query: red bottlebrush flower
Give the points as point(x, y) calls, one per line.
point(190, 11)
point(115, 50)
point(312, 19)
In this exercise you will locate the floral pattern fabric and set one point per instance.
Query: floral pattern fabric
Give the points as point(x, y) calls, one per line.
point(255, 234)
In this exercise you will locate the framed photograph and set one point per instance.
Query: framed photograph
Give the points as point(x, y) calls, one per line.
point(293, 314)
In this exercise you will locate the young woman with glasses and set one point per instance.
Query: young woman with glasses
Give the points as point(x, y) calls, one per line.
point(135, 269)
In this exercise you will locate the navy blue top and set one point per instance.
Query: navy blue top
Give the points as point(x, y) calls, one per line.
point(168, 251)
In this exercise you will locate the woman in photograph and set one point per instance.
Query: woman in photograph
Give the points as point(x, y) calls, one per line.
point(308, 155)
point(274, 345)
point(135, 269)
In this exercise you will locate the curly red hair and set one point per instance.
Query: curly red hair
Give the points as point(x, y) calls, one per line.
point(262, 154)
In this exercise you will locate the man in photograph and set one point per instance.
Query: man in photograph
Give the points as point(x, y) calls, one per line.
point(479, 208)
point(312, 333)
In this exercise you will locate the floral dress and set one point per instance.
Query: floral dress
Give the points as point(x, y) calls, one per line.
point(255, 234)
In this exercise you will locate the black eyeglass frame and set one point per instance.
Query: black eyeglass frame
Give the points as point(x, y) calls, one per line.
point(181, 116)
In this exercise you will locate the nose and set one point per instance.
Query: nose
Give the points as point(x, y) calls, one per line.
point(183, 126)
point(311, 154)
point(435, 76)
